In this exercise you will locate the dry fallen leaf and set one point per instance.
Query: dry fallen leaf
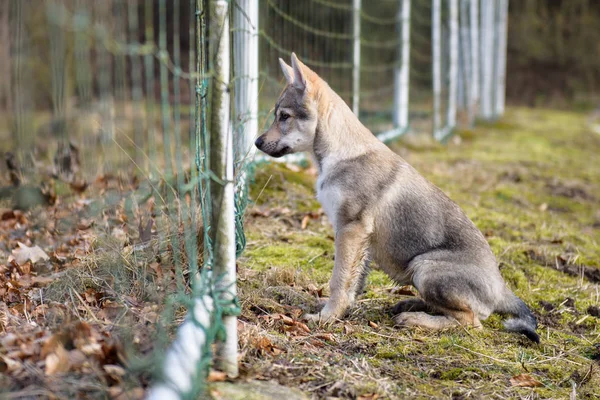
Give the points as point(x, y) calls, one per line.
point(51, 344)
point(6, 214)
point(265, 346)
point(8, 364)
point(25, 253)
point(305, 221)
point(77, 358)
point(368, 396)
point(85, 224)
point(316, 343)
point(216, 376)
point(286, 320)
point(115, 371)
point(326, 336)
point(117, 393)
point(525, 380)
point(57, 361)
point(302, 326)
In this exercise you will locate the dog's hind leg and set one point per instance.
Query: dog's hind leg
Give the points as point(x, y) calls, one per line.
point(462, 297)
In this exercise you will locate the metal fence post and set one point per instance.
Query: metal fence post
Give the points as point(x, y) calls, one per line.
point(453, 68)
point(356, 6)
point(474, 93)
point(221, 164)
point(464, 62)
point(436, 22)
point(401, 82)
point(487, 57)
point(502, 31)
point(245, 53)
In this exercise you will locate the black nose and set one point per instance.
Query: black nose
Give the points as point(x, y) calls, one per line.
point(259, 142)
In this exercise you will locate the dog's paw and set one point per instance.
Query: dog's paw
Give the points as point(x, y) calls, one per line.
point(319, 318)
point(410, 318)
point(312, 317)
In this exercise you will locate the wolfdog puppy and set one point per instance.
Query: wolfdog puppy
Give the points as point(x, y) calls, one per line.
point(383, 210)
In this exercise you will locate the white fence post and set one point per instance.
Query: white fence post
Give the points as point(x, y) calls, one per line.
point(401, 82)
point(221, 164)
point(464, 71)
point(474, 93)
point(487, 57)
point(436, 22)
point(356, 4)
point(245, 53)
point(453, 70)
point(501, 58)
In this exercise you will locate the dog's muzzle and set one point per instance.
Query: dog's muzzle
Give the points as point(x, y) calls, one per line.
point(271, 148)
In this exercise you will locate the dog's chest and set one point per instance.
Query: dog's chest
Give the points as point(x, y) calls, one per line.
point(330, 196)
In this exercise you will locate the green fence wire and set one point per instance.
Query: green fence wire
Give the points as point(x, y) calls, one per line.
point(122, 93)
point(110, 101)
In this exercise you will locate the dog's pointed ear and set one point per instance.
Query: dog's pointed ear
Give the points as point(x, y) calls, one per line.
point(288, 72)
point(299, 75)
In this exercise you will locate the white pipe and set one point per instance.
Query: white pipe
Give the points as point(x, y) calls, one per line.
point(501, 58)
point(356, 4)
point(487, 57)
point(245, 47)
point(474, 96)
point(401, 75)
point(453, 70)
point(464, 60)
point(436, 21)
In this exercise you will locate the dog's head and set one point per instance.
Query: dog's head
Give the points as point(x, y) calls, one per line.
point(293, 129)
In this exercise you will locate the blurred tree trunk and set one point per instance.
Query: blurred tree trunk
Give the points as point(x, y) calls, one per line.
point(5, 64)
point(553, 48)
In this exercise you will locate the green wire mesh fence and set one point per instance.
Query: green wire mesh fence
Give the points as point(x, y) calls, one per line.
point(142, 113)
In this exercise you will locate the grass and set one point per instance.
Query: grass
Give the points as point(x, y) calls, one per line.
point(530, 182)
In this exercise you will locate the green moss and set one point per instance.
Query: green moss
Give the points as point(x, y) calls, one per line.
point(275, 181)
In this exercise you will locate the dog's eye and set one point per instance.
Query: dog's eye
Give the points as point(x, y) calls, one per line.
point(283, 116)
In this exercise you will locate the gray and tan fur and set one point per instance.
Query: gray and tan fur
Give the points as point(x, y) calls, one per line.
point(383, 210)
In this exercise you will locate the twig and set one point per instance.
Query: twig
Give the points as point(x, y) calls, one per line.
point(378, 334)
point(87, 308)
point(263, 189)
point(483, 355)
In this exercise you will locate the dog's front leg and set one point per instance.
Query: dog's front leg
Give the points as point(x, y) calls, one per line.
point(351, 243)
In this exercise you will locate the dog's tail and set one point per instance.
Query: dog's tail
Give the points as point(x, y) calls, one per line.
point(523, 322)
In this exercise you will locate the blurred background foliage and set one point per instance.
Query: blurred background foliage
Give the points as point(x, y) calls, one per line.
point(553, 46)
point(554, 53)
